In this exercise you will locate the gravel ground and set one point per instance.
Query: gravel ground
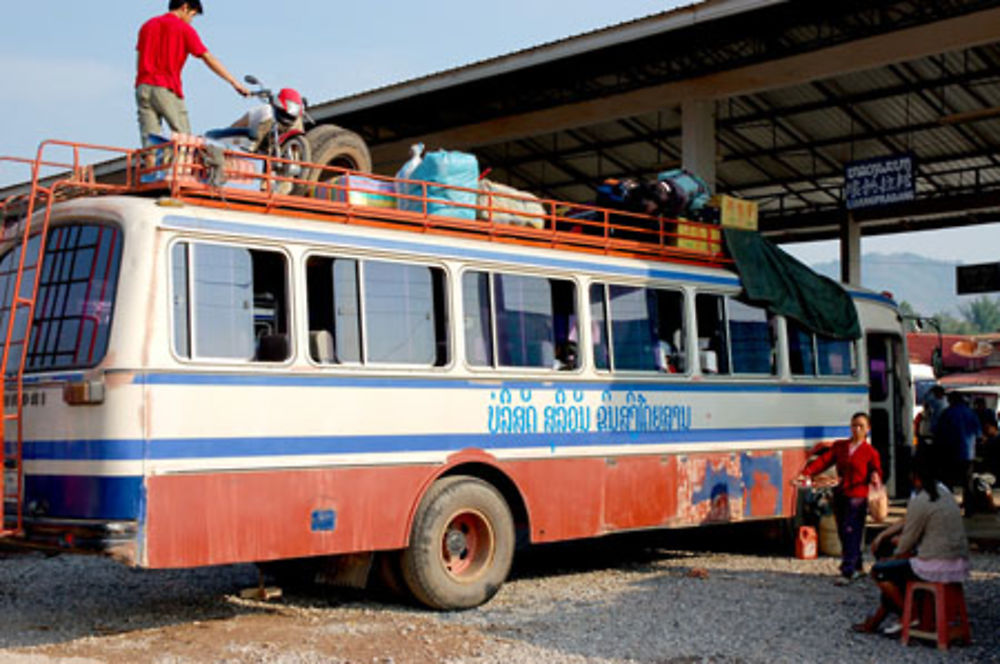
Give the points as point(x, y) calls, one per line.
point(607, 601)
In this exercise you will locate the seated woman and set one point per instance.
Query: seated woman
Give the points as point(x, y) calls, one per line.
point(932, 546)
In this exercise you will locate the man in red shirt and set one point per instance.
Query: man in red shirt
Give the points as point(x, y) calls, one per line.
point(858, 465)
point(164, 44)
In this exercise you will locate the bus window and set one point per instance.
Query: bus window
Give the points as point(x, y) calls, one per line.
point(647, 329)
point(734, 337)
point(751, 339)
point(534, 321)
point(801, 353)
point(229, 303)
point(836, 357)
point(75, 296)
point(400, 313)
point(402, 308)
point(713, 354)
point(814, 354)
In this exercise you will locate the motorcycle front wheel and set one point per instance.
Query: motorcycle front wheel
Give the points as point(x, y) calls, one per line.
point(297, 152)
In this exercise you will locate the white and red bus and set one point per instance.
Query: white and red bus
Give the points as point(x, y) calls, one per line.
point(245, 377)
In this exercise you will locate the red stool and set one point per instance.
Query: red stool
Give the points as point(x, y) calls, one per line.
point(943, 619)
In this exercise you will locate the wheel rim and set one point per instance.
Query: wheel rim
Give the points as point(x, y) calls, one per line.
point(293, 151)
point(467, 545)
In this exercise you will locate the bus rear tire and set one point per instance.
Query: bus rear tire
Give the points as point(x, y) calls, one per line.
point(461, 545)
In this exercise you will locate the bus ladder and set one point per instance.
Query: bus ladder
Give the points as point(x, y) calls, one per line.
point(17, 311)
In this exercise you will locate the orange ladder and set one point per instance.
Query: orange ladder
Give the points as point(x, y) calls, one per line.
point(17, 312)
point(17, 300)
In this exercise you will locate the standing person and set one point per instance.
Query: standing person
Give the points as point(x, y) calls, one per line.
point(164, 44)
point(932, 546)
point(858, 465)
point(985, 415)
point(934, 404)
point(955, 441)
point(990, 450)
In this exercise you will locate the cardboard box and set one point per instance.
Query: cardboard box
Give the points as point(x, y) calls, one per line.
point(735, 212)
point(698, 237)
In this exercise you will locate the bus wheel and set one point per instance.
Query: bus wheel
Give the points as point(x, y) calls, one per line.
point(461, 545)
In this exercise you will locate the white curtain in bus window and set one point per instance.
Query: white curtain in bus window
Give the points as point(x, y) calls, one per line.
point(223, 302)
point(75, 297)
point(751, 339)
point(713, 355)
point(347, 317)
point(836, 356)
point(525, 329)
point(598, 318)
point(476, 319)
point(399, 313)
point(179, 279)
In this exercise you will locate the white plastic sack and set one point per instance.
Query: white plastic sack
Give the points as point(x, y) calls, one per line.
point(509, 205)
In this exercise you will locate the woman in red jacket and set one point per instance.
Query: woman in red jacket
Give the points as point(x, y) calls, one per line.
point(858, 466)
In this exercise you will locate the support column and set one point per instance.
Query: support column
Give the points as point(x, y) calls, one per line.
point(850, 251)
point(698, 138)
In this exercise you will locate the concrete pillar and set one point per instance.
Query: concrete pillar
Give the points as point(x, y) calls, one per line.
point(850, 251)
point(698, 138)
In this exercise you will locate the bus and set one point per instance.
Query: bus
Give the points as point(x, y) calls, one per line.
point(199, 376)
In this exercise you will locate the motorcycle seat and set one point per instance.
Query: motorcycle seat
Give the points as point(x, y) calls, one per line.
point(231, 132)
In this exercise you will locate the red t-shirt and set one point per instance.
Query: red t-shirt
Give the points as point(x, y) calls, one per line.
point(164, 44)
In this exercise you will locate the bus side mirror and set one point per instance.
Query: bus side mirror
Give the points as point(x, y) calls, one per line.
point(937, 364)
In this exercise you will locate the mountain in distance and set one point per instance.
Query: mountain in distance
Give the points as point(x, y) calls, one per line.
point(928, 284)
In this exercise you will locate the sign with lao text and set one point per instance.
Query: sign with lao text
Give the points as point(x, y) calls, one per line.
point(880, 181)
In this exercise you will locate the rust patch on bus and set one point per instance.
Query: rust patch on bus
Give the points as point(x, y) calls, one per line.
point(718, 488)
point(710, 488)
point(763, 481)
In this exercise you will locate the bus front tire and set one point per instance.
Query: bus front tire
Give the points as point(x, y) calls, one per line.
point(461, 544)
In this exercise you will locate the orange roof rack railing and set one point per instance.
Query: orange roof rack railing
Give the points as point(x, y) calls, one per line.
point(180, 169)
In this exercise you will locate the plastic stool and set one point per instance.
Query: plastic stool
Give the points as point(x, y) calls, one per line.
point(947, 610)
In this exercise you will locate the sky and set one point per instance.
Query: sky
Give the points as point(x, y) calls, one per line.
point(67, 69)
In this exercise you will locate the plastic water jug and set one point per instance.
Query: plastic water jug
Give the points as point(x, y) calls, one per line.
point(806, 543)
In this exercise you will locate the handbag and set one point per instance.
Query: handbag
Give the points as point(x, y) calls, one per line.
point(878, 503)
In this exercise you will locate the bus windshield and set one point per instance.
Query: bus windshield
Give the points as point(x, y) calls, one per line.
point(75, 297)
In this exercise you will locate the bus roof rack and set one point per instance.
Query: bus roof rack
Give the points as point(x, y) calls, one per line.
point(187, 170)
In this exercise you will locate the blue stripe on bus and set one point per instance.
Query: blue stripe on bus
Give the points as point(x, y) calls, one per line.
point(83, 450)
point(279, 232)
point(211, 448)
point(485, 383)
point(84, 497)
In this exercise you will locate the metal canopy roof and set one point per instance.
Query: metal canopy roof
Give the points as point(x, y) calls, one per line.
point(800, 89)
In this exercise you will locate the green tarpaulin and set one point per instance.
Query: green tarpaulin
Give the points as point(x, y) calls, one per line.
point(775, 280)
